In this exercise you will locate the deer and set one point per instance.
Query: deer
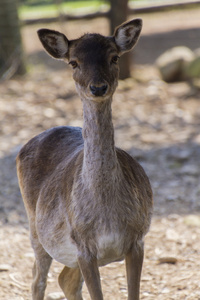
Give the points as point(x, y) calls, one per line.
point(88, 202)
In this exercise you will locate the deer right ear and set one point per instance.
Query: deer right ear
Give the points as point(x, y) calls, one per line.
point(54, 42)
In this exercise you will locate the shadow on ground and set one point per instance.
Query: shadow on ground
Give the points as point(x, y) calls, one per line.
point(174, 173)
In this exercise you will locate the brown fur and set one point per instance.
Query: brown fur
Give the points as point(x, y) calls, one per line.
point(88, 202)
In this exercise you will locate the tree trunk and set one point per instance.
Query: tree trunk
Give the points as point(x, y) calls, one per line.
point(11, 52)
point(118, 15)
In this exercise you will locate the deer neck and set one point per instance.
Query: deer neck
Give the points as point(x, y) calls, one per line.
point(100, 160)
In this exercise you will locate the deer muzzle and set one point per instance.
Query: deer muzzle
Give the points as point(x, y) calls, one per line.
point(99, 90)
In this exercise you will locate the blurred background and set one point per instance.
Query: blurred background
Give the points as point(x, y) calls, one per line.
point(156, 114)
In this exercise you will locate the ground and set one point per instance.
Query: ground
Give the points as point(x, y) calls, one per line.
point(158, 123)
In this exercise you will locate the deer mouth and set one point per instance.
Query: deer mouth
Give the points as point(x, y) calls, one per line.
point(100, 91)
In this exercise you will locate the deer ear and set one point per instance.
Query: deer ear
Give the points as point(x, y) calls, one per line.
point(54, 42)
point(127, 34)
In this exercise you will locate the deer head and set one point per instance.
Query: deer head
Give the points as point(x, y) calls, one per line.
point(93, 57)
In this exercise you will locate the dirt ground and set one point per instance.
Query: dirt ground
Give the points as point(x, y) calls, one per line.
point(158, 123)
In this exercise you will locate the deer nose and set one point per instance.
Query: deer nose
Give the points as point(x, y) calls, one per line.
point(98, 90)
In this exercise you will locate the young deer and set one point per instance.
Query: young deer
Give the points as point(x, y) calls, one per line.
point(88, 202)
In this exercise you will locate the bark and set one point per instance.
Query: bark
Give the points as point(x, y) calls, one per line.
point(118, 15)
point(11, 52)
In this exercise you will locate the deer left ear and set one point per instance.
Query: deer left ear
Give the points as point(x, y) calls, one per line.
point(127, 34)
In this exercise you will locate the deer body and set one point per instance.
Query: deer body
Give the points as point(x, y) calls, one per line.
point(88, 202)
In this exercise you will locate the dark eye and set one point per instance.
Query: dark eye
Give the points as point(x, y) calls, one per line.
point(73, 63)
point(115, 59)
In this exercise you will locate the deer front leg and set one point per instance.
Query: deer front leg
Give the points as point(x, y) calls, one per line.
point(41, 266)
point(90, 272)
point(40, 272)
point(134, 261)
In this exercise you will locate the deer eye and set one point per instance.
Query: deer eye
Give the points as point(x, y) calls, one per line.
point(115, 59)
point(73, 63)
